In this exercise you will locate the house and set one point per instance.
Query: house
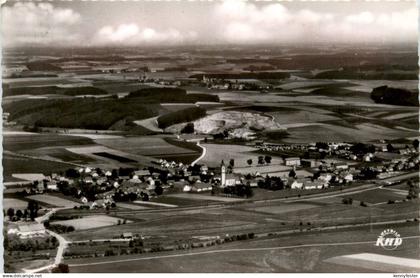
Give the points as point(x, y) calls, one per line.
point(325, 177)
point(84, 200)
point(342, 166)
point(295, 184)
point(310, 163)
point(316, 184)
point(292, 161)
point(353, 157)
point(348, 177)
point(142, 173)
point(201, 187)
point(52, 186)
point(187, 188)
point(88, 180)
point(231, 180)
point(127, 235)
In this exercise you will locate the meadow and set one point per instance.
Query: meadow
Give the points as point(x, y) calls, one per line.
point(53, 200)
point(90, 222)
point(278, 254)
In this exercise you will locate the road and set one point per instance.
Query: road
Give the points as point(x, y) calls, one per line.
point(232, 251)
point(62, 243)
point(203, 154)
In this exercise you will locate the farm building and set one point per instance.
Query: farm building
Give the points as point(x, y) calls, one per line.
point(296, 184)
point(142, 173)
point(127, 235)
point(342, 166)
point(292, 161)
point(52, 186)
point(201, 187)
point(314, 184)
point(310, 163)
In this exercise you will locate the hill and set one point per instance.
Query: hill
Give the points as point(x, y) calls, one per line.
point(89, 113)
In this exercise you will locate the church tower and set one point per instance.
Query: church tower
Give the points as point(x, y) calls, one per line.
point(223, 171)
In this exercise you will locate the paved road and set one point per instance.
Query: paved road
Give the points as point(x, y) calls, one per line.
point(62, 243)
point(203, 154)
point(232, 251)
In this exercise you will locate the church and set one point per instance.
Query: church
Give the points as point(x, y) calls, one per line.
point(227, 179)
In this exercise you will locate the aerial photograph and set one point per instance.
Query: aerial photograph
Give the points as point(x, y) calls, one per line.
point(210, 137)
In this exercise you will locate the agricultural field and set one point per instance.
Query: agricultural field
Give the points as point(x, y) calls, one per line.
point(15, 164)
point(216, 153)
point(91, 222)
point(21, 142)
point(378, 196)
point(14, 203)
point(147, 145)
point(53, 200)
point(183, 201)
point(206, 196)
point(282, 254)
point(283, 208)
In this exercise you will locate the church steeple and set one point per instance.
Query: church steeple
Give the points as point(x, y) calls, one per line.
point(223, 172)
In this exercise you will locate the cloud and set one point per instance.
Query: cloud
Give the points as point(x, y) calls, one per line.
point(131, 34)
point(26, 23)
point(245, 22)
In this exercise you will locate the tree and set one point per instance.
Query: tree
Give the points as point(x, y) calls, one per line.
point(232, 162)
point(33, 208)
point(72, 173)
point(249, 161)
point(390, 147)
point(416, 143)
point(413, 190)
point(292, 173)
point(322, 145)
point(61, 268)
point(248, 191)
point(10, 213)
point(158, 190)
point(188, 128)
point(19, 214)
point(267, 159)
point(261, 160)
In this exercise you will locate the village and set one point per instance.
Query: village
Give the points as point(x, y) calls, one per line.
point(337, 164)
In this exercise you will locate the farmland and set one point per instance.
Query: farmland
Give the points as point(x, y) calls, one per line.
point(269, 255)
point(53, 200)
point(378, 196)
point(216, 153)
point(106, 128)
point(90, 222)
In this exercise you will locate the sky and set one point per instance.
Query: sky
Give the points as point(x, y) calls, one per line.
point(140, 23)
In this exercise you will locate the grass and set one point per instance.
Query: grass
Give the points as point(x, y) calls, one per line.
point(90, 222)
point(299, 259)
point(60, 153)
point(183, 202)
point(14, 203)
point(34, 141)
point(376, 196)
point(53, 200)
point(114, 157)
point(12, 165)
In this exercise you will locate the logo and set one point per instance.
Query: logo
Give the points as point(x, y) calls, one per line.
point(389, 239)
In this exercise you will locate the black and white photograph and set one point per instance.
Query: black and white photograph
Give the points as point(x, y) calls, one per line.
point(210, 137)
